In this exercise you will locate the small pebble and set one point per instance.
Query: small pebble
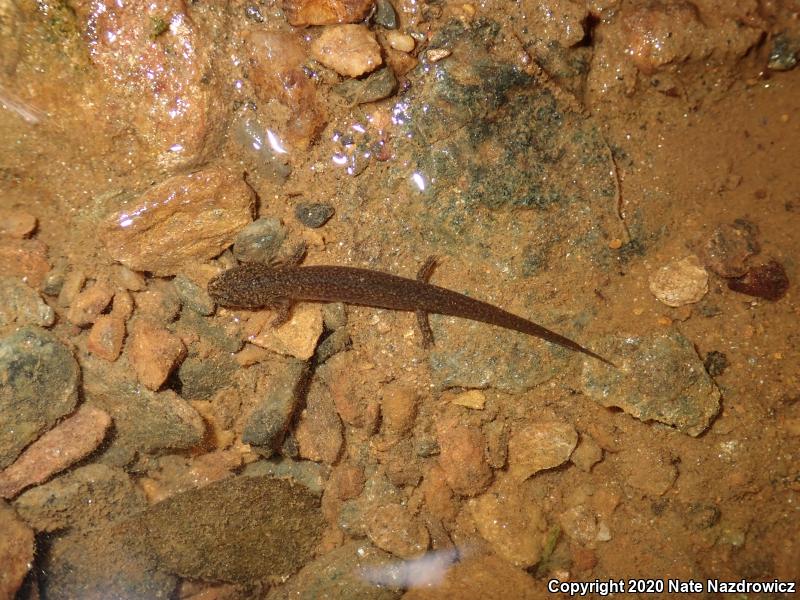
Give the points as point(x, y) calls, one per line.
point(540, 446)
point(401, 42)
point(377, 86)
point(160, 303)
point(313, 214)
point(259, 241)
point(106, 336)
point(346, 482)
point(615, 244)
point(16, 223)
point(22, 305)
point(385, 15)
point(727, 249)
point(587, 454)
point(193, 296)
point(393, 528)
point(462, 457)
point(474, 399)
point(301, 13)
point(16, 552)
point(154, 353)
point(127, 279)
point(26, 259)
point(71, 287)
point(437, 54)
point(398, 408)
point(319, 432)
point(350, 50)
point(297, 337)
point(65, 444)
point(768, 281)
point(680, 282)
point(87, 306)
point(716, 363)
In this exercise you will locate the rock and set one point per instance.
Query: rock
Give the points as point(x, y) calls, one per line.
point(402, 42)
point(106, 336)
point(159, 62)
point(339, 575)
point(301, 13)
point(784, 52)
point(193, 296)
point(82, 498)
point(127, 279)
point(647, 470)
point(728, 247)
point(715, 363)
point(350, 50)
point(16, 223)
point(385, 16)
point(68, 442)
point(680, 282)
point(304, 472)
point(271, 417)
point(462, 457)
point(297, 337)
point(88, 304)
point(579, 523)
point(71, 287)
point(240, 530)
point(768, 281)
point(481, 577)
point(346, 482)
point(515, 528)
point(661, 379)
point(319, 432)
point(159, 304)
point(201, 378)
point(154, 353)
point(587, 454)
point(259, 241)
point(22, 305)
point(16, 551)
point(538, 446)
point(313, 214)
point(185, 219)
point(474, 399)
point(25, 259)
point(173, 474)
point(112, 561)
point(376, 86)
point(398, 408)
point(40, 385)
point(289, 99)
point(393, 528)
point(145, 423)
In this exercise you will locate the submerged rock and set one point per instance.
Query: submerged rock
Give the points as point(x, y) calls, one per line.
point(40, 385)
point(661, 378)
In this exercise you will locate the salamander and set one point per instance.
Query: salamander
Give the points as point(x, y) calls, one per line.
point(256, 285)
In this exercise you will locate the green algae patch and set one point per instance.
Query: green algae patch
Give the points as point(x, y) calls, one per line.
point(240, 530)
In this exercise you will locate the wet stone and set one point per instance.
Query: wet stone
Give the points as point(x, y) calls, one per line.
point(305, 472)
point(647, 469)
point(82, 498)
point(680, 282)
point(16, 222)
point(393, 528)
point(88, 304)
point(106, 336)
point(340, 575)
point(40, 385)
point(313, 214)
point(661, 378)
point(715, 363)
point(193, 296)
point(587, 454)
point(68, 442)
point(160, 303)
point(350, 50)
point(16, 551)
point(727, 249)
point(385, 15)
point(784, 52)
point(186, 219)
point(319, 432)
point(201, 378)
point(26, 259)
point(377, 86)
point(259, 241)
point(22, 305)
point(325, 12)
point(154, 353)
point(462, 457)
point(267, 424)
point(240, 530)
point(768, 281)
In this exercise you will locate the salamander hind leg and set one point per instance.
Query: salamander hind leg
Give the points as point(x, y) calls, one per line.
point(426, 270)
point(283, 310)
point(424, 328)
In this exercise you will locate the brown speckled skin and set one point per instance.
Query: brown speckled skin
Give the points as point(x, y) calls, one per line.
point(255, 285)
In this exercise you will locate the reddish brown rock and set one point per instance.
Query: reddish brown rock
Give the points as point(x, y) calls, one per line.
point(768, 281)
point(301, 13)
point(462, 457)
point(105, 337)
point(26, 259)
point(154, 352)
point(87, 305)
point(65, 444)
point(727, 249)
point(346, 482)
point(186, 219)
point(16, 222)
point(439, 501)
point(277, 60)
point(16, 551)
point(398, 408)
point(393, 528)
point(159, 69)
point(350, 50)
point(159, 303)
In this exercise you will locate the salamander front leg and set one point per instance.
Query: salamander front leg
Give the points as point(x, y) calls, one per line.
point(424, 273)
point(283, 310)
